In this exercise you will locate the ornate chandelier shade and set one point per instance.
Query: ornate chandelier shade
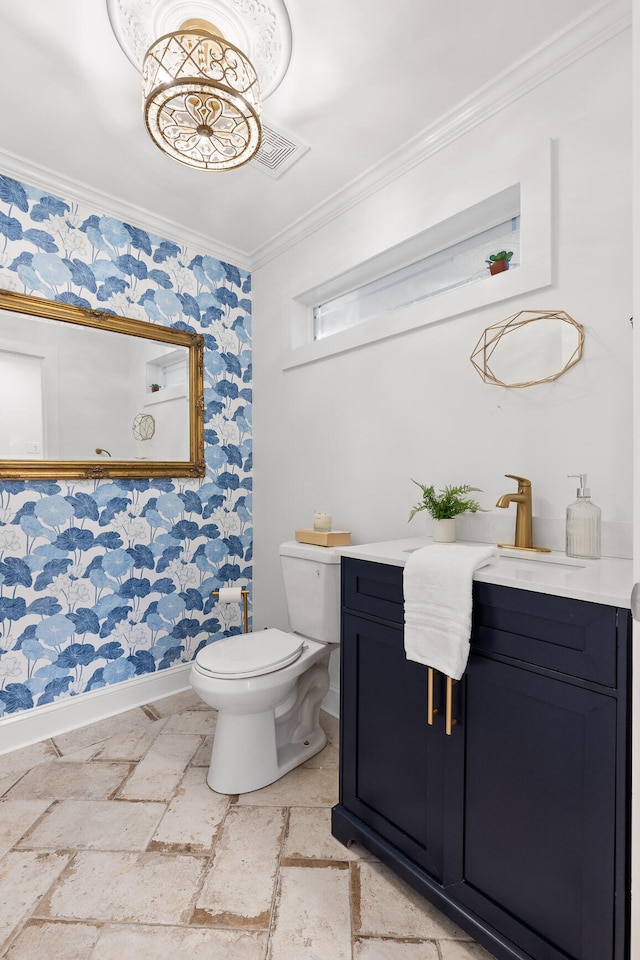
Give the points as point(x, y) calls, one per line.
point(201, 98)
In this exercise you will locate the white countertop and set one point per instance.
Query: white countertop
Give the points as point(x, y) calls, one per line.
point(608, 580)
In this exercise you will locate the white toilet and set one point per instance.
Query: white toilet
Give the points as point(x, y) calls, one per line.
point(268, 685)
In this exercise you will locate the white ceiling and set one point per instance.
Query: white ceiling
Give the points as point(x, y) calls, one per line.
point(365, 77)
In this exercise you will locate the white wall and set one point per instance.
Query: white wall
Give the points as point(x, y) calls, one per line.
point(347, 433)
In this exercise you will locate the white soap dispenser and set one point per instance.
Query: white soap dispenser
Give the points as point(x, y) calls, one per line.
point(583, 523)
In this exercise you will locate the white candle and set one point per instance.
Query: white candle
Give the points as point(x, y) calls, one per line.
point(322, 522)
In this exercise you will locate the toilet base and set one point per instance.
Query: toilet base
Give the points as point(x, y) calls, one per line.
point(262, 762)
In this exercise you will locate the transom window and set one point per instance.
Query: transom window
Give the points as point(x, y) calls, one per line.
point(454, 266)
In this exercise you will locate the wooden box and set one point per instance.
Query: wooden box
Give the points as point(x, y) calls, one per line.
point(324, 538)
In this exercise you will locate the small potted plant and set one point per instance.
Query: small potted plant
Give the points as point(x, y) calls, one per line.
point(499, 261)
point(444, 506)
point(155, 387)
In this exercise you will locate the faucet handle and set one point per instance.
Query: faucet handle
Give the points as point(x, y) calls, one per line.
point(523, 482)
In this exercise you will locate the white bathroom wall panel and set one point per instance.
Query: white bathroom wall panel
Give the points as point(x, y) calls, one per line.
point(346, 434)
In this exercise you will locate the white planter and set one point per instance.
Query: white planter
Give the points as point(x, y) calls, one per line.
point(444, 531)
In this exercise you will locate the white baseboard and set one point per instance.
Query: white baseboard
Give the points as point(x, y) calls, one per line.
point(40, 723)
point(331, 703)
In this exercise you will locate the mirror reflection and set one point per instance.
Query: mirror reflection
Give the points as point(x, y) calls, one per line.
point(81, 387)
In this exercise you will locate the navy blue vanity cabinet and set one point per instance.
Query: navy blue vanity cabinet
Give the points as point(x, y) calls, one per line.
point(395, 756)
point(393, 765)
point(541, 851)
point(515, 825)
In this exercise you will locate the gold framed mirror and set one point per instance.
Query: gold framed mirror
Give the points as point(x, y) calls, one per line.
point(87, 394)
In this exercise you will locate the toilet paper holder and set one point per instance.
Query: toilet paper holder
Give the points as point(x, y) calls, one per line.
point(245, 606)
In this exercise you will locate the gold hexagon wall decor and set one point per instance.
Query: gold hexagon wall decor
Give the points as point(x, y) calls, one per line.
point(527, 343)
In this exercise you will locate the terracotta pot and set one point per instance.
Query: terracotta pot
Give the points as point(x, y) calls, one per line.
point(498, 266)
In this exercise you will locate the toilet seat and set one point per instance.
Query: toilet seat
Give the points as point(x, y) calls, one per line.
point(249, 654)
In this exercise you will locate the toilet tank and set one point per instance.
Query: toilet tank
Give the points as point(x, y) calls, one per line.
point(312, 586)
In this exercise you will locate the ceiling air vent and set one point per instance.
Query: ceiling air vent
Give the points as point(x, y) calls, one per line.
point(278, 151)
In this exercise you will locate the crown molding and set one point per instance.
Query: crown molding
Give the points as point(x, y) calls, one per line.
point(54, 182)
point(587, 33)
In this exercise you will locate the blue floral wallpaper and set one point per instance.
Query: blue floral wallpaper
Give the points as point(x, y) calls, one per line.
point(101, 581)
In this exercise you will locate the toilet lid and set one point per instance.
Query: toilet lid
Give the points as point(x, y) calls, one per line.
point(249, 654)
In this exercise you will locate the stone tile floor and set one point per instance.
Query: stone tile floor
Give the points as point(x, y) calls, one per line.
point(112, 845)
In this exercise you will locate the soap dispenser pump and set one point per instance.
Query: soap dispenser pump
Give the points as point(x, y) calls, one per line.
point(583, 523)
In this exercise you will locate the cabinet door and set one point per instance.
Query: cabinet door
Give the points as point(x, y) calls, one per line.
point(392, 761)
point(536, 845)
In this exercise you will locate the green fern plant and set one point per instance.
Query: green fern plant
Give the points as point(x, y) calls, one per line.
point(446, 503)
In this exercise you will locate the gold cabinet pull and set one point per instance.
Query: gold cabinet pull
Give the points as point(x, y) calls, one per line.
point(449, 721)
point(431, 712)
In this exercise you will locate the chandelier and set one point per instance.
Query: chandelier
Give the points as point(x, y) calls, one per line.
point(202, 92)
point(201, 98)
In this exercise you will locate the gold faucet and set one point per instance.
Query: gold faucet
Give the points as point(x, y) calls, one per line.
point(524, 536)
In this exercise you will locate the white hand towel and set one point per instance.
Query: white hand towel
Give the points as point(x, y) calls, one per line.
point(438, 583)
